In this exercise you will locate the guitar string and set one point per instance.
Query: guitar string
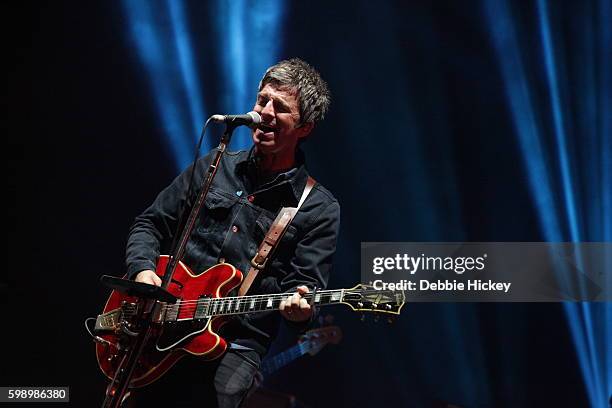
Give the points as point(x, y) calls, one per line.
point(256, 299)
point(223, 308)
point(264, 299)
point(278, 295)
point(227, 303)
point(190, 313)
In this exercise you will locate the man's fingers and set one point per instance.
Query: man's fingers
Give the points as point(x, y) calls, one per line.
point(285, 304)
point(295, 307)
point(295, 301)
point(148, 277)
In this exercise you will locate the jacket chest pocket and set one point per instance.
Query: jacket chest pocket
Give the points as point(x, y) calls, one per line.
point(216, 215)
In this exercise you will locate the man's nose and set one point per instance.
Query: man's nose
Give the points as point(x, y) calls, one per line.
point(268, 110)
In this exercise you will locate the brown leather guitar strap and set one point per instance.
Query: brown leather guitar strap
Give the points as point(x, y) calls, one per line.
point(272, 238)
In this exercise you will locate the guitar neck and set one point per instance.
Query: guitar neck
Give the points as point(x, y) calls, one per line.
point(235, 305)
point(284, 358)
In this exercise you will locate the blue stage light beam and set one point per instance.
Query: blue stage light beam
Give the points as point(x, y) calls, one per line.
point(580, 316)
point(605, 115)
point(590, 324)
point(191, 81)
point(525, 117)
point(554, 82)
point(604, 102)
point(251, 34)
point(166, 52)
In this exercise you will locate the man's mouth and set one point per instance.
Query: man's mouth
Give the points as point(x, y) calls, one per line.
point(264, 135)
point(266, 128)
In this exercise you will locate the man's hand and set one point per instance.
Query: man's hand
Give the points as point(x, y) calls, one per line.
point(148, 276)
point(295, 308)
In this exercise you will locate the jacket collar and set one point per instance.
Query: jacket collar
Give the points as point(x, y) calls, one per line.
point(294, 178)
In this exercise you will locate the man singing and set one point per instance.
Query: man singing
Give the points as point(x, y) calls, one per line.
point(248, 191)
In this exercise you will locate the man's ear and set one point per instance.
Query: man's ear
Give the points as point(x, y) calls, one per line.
point(305, 129)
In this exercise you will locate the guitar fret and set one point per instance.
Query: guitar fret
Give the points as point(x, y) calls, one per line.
point(301, 349)
point(239, 305)
point(200, 312)
point(209, 303)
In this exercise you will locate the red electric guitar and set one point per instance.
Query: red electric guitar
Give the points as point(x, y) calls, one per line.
point(189, 326)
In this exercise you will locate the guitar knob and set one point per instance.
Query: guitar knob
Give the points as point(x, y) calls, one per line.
point(374, 305)
point(388, 306)
point(360, 304)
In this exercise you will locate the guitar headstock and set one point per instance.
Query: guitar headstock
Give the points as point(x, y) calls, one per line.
point(314, 340)
point(365, 298)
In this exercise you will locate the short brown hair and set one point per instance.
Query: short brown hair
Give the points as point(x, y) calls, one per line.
point(313, 94)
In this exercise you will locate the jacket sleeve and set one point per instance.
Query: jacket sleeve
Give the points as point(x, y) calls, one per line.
point(312, 261)
point(154, 229)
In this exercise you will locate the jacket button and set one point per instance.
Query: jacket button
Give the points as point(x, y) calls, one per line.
point(235, 228)
point(251, 198)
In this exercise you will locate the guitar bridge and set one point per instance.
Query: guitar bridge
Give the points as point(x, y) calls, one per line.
point(108, 321)
point(111, 321)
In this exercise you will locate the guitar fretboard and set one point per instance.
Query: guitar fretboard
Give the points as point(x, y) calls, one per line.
point(280, 360)
point(234, 305)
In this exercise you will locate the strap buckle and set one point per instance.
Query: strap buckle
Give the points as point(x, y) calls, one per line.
point(259, 266)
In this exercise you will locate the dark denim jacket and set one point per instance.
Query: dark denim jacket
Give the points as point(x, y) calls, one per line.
point(238, 212)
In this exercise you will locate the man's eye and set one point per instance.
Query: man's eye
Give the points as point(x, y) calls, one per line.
point(280, 108)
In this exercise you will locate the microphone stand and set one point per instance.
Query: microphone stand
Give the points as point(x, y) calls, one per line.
point(118, 387)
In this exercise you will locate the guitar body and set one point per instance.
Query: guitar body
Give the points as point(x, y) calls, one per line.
point(168, 343)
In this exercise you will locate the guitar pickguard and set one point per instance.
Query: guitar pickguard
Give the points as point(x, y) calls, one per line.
point(179, 333)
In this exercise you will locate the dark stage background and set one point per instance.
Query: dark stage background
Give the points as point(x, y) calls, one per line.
point(438, 109)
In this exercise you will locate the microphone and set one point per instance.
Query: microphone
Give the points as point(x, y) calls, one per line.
point(250, 119)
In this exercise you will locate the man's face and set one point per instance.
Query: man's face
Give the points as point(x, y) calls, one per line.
point(280, 114)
